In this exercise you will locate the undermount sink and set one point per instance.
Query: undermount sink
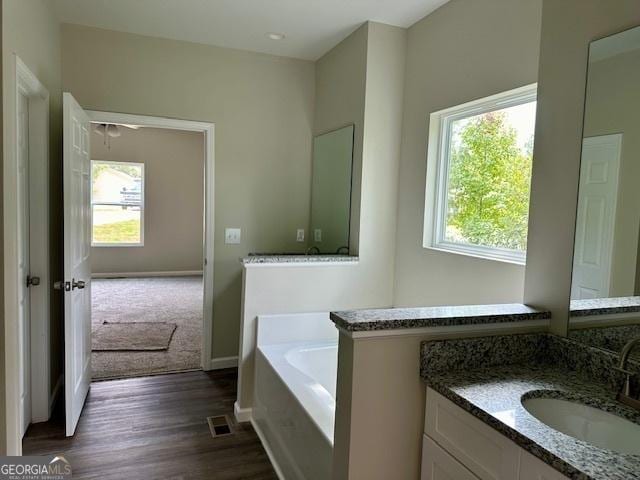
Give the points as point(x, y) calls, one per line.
point(592, 425)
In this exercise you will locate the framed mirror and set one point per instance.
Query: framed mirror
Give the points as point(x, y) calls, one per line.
point(331, 191)
point(605, 290)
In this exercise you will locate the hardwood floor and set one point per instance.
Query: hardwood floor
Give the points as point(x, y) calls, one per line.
point(156, 428)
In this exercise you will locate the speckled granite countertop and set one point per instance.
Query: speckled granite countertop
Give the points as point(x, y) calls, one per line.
point(543, 366)
point(604, 306)
point(393, 318)
point(266, 258)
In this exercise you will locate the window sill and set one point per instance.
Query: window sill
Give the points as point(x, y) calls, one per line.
point(460, 250)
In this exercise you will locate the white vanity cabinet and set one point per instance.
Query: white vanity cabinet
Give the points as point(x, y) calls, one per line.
point(457, 445)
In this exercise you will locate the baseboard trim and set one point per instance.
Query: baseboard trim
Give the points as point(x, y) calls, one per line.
point(223, 362)
point(180, 273)
point(243, 415)
point(55, 393)
point(267, 449)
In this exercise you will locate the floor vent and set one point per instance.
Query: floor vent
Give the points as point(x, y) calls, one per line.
point(220, 426)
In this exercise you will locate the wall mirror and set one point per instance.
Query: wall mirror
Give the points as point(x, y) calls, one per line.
point(331, 191)
point(605, 290)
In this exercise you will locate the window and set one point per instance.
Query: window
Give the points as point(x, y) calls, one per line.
point(117, 204)
point(479, 176)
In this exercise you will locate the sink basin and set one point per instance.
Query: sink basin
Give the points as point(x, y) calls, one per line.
point(592, 425)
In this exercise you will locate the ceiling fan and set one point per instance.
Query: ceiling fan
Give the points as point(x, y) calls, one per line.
point(111, 130)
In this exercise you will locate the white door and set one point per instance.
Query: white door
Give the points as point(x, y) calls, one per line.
point(596, 214)
point(24, 316)
point(77, 270)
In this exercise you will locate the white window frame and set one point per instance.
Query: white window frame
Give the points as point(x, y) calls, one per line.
point(142, 205)
point(438, 172)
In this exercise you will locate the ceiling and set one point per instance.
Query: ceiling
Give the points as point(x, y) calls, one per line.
point(311, 27)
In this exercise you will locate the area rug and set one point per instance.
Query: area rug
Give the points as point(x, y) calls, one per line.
point(132, 336)
point(175, 300)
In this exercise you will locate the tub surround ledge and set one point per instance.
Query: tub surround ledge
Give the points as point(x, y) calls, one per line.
point(604, 306)
point(489, 377)
point(286, 259)
point(405, 318)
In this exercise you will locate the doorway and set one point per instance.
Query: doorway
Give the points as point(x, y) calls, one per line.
point(147, 292)
point(79, 236)
point(26, 245)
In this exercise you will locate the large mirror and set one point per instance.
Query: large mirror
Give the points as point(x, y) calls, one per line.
point(605, 291)
point(331, 191)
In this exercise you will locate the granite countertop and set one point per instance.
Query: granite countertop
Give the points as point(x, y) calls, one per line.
point(604, 306)
point(545, 367)
point(394, 318)
point(254, 259)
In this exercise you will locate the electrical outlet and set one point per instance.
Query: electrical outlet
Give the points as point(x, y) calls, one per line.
point(232, 236)
point(317, 235)
point(300, 235)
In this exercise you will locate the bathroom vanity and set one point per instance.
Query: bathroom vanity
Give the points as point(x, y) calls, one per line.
point(525, 407)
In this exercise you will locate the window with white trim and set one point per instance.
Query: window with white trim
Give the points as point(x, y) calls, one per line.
point(117, 204)
point(479, 176)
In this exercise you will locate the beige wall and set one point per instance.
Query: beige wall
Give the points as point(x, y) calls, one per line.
point(611, 107)
point(463, 51)
point(174, 200)
point(262, 107)
point(340, 96)
point(30, 29)
point(561, 94)
point(360, 81)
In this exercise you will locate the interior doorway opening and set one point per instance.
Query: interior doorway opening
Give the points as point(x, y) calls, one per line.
point(147, 254)
point(182, 287)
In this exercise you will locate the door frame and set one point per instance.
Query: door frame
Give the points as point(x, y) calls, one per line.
point(208, 129)
point(23, 81)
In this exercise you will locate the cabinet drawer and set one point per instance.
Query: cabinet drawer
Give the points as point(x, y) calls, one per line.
point(532, 468)
point(486, 452)
point(439, 465)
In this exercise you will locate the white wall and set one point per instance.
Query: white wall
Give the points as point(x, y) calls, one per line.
point(173, 200)
point(463, 51)
point(556, 166)
point(262, 107)
point(360, 81)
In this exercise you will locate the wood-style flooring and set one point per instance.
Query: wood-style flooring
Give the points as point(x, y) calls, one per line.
point(156, 428)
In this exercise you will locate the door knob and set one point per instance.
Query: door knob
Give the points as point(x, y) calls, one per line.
point(61, 285)
point(32, 281)
point(77, 284)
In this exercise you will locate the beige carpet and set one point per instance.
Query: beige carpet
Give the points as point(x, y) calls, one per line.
point(169, 300)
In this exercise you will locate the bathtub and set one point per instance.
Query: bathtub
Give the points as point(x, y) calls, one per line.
point(294, 396)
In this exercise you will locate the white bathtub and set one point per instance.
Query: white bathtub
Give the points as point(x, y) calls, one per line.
point(294, 399)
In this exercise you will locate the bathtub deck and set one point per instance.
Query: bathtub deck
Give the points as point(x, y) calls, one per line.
point(156, 428)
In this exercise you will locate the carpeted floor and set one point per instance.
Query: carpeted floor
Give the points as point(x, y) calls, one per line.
point(176, 300)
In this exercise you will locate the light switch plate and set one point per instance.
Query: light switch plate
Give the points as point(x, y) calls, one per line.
point(232, 236)
point(300, 235)
point(317, 235)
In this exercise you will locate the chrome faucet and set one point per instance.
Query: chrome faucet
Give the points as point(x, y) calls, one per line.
point(311, 249)
point(625, 395)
